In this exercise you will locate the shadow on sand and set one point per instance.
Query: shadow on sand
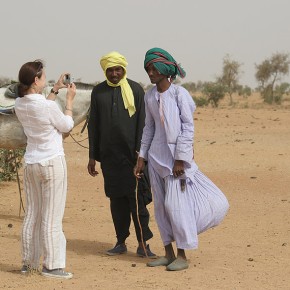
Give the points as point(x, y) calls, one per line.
point(85, 247)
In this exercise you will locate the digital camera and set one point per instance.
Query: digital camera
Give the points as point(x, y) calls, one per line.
point(67, 79)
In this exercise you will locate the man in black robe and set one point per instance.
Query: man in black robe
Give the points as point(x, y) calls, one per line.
point(116, 122)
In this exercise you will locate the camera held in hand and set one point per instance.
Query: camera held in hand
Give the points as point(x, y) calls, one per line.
point(67, 79)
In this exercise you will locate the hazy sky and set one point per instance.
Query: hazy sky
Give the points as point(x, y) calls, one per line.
point(73, 35)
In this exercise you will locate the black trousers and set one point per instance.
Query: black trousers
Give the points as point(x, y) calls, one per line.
point(123, 209)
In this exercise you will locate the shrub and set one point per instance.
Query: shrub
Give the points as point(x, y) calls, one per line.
point(200, 102)
point(10, 162)
point(214, 92)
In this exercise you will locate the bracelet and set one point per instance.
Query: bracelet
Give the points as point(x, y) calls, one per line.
point(68, 109)
point(53, 92)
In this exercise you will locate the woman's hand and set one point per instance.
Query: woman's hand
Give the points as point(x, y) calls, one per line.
point(138, 169)
point(178, 168)
point(71, 92)
point(59, 84)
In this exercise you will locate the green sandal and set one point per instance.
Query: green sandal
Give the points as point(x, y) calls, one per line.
point(177, 265)
point(162, 261)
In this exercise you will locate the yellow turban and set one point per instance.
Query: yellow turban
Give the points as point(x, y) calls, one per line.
point(116, 59)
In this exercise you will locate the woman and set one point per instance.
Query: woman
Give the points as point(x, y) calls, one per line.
point(186, 202)
point(45, 172)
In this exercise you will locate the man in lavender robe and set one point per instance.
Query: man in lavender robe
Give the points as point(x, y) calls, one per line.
point(186, 202)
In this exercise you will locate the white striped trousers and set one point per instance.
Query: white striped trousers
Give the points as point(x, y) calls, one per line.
point(45, 185)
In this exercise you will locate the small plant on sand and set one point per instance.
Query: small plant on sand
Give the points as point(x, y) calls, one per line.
point(10, 162)
point(200, 101)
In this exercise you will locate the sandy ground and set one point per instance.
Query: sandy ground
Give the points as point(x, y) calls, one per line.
point(244, 150)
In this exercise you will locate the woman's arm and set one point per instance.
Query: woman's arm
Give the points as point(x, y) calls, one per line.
point(57, 86)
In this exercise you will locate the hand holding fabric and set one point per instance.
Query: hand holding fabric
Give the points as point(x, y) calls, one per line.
point(178, 168)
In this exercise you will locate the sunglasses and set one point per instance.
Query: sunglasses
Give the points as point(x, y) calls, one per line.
point(39, 69)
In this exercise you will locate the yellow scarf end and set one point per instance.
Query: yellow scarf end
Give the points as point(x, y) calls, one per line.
point(131, 111)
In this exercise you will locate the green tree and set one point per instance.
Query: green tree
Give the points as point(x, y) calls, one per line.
point(269, 72)
point(230, 76)
point(244, 91)
point(199, 86)
point(214, 91)
point(283, 88)
point(200, 101)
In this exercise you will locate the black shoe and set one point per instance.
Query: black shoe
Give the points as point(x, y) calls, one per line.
point(117, 250)
point(27, 269)
point(141, 252)
point(24, 270)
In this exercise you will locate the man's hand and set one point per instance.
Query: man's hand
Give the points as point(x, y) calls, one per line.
point(92, 168)
point(178, 168)
point(138, 169)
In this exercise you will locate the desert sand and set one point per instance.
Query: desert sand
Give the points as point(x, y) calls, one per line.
point(244, 149)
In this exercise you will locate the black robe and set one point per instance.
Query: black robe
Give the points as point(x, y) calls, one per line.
point(114, 136)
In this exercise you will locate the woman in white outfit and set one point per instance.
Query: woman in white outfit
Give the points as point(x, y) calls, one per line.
point(186, 202)
point(45, 172)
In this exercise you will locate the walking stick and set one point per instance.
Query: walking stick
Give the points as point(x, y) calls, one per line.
point(140, 227)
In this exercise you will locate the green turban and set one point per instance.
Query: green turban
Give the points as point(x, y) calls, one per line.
point(163, 62)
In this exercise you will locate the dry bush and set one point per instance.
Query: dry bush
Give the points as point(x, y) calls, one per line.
point(10, 162)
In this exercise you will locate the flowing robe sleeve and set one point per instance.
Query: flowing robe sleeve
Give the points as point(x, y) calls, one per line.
point(184, 143)
point(140, 111)
point(148, 131)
